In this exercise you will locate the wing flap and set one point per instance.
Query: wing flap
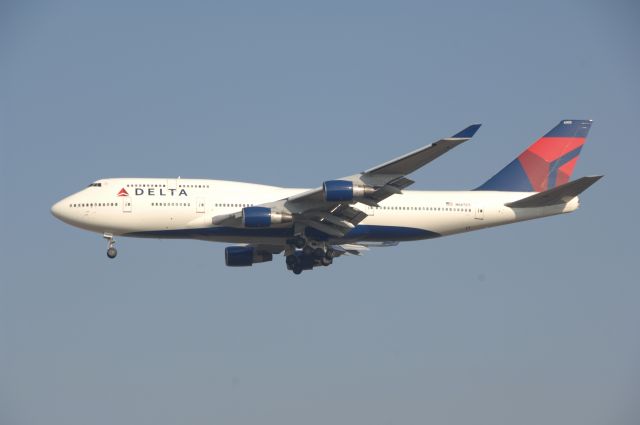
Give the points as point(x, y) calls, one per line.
point(394, 187)
point(359, 248)
point(349, 249)
point(336, 222)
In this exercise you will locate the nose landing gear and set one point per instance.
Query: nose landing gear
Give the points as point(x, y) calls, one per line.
point(111, 250)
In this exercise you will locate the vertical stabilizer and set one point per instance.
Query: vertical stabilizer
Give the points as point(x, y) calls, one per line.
point(548, 163)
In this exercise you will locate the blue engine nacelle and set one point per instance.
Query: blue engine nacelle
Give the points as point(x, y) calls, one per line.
point(240, 256)
point(344, 190)
point(263, 217)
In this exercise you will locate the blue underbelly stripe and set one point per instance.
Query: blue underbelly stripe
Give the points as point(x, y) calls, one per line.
point(285, 232)
point(395, 233)
point(359, 233)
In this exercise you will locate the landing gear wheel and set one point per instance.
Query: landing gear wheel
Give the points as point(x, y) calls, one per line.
point(299, 242)
point(112, 252)
point(291, 260)
point(307, 250)
point(318, 253)
point(326, 261)
point(297, 269)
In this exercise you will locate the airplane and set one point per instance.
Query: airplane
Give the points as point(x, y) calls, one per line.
point(345, 216)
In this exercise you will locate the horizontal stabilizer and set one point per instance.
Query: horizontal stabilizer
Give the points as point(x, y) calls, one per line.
point(558, 195)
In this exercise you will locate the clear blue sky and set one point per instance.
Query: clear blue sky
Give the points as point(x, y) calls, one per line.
point(535, 323)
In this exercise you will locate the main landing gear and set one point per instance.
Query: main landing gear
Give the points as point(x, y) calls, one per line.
point(111, 249)
point(310, 255)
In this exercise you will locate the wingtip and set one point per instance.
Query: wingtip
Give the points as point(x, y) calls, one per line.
point(467, 133)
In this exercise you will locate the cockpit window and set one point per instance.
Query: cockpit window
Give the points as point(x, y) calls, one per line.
point(95, 185)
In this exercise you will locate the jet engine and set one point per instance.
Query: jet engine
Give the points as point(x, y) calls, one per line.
point(240, 256)
point(344, 190)
point(263, 217)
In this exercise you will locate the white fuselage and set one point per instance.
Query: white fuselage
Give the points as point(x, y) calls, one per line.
point(184, 208)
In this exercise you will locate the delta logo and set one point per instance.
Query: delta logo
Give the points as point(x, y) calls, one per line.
point(152, 191)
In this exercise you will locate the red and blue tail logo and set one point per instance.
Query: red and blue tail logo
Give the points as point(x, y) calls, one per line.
point(547, 163)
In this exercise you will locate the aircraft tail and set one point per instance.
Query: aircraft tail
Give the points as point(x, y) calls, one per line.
point(546, 164)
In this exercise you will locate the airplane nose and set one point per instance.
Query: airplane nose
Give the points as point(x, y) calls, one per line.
point(56, 210)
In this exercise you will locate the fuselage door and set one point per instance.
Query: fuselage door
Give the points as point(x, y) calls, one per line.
point(200, 205)
point(479, 212)
point(126, 204)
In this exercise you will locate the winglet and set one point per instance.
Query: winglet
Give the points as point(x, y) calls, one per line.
point(467, 133)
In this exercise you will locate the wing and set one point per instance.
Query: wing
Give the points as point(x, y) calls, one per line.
point(333, 208)
point(336, 215)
